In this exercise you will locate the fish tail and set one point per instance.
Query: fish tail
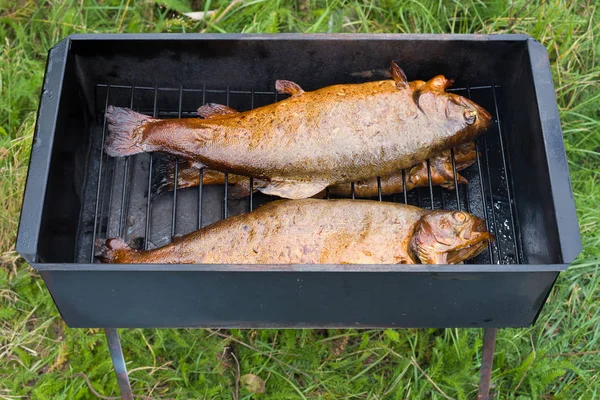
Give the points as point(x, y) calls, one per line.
point(163, 174)
point(125, 131)
point(106, 250)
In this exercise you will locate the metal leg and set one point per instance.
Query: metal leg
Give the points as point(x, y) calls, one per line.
point(116, 354)
point(487, 363)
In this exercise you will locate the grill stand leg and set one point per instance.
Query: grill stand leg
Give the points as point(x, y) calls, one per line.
point(116, 354)
point(487, 363)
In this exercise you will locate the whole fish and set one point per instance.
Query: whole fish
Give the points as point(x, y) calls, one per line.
point(312, 231)
point(312, 140)
point(442, 174)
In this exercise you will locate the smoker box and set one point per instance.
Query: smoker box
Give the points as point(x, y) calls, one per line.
point(76, 194)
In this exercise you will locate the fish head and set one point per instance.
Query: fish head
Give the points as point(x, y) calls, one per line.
point(449, 237)
point(462, 116)
point(470, 116)
point(441, 168)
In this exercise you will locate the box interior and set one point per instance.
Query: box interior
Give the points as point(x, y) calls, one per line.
point(172, 77)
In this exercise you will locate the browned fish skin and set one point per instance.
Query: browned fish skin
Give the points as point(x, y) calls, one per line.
point(312, 140)
point(314, 231)
point(442, 174)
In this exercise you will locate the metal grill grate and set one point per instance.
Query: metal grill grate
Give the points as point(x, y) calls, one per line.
point(123, 204)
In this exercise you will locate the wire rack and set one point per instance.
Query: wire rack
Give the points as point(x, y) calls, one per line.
point(118, 198)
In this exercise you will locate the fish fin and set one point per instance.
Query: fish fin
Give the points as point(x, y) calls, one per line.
point(443, 167)
point(288, 87)
point(239, 190)
point(163, 168)
point(213, 177)
point(465, 155)
point(163, 174)
point(434, 258)
point(399, 76)
point(464, 164)
point(105, 250)
point(461, 180)
point(321, 195)
point(213, 110)
point(125, 132)
point(293, 190)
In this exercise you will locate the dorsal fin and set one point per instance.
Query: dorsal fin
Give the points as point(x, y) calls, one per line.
point(288, 87)
point(213, 110)
point(399, 76)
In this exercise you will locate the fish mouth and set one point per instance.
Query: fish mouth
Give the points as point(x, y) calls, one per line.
point(474, 241)
point(470, 249)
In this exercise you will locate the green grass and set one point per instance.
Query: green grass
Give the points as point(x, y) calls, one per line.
point(41, 358)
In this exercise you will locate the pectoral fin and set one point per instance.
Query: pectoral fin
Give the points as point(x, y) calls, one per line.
point(213, 110)
point(288, 87)
point(292, 189)
point(430, 256)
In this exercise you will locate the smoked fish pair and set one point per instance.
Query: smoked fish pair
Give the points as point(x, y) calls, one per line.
point(298, 147)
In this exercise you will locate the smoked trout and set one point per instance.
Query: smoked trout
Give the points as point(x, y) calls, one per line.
point(312, 140)
point(312, 231)
point(442, 174)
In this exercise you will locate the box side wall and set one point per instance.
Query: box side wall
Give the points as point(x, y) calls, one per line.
point(256, 64)
point(560, 182)
point(41, 152)
point(66, 173)
point(531, 186)
point(297, 299)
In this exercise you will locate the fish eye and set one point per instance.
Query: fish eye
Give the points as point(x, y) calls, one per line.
point(459, 216)
point(470, 116)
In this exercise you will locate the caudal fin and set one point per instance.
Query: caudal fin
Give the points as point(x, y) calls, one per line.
point(125, 128)
point(163, 174)
point(107, 250)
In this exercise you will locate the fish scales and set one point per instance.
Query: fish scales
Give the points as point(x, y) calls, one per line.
point(313, 231)
point(313, 140)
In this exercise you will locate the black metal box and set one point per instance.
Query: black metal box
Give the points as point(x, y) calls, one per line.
point(75, 193)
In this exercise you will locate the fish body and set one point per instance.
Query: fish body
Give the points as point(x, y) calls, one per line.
point(312, 140)
point(313, 231)
point(440, 169)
